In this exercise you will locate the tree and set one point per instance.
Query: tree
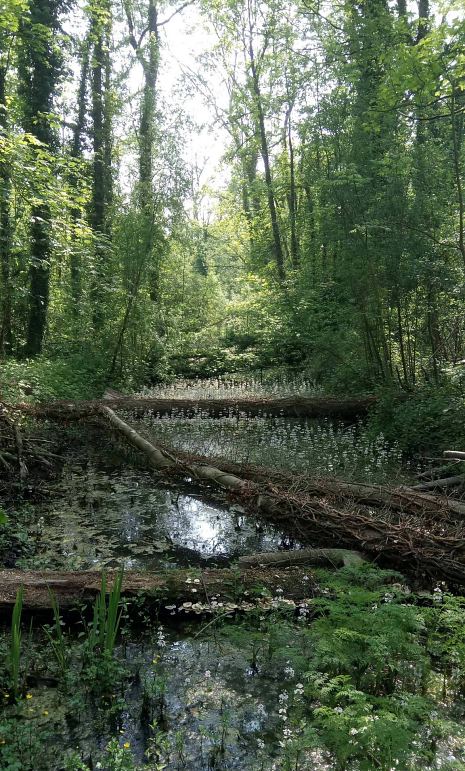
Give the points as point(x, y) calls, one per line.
point(100, 35)
point(39, 64)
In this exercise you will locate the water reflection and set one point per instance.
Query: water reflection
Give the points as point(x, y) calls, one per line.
point(103, 519)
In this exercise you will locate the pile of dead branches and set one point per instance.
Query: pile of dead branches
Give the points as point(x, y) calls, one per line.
point(20, 452)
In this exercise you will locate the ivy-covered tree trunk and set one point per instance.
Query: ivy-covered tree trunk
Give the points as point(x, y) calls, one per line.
point(147, 118)
point(6, 335)
point(38, 68)
point(148, 58)
point(368, 253)
point(147, 147)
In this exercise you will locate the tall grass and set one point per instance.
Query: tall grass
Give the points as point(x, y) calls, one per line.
point(58, 640)
point(107, 616)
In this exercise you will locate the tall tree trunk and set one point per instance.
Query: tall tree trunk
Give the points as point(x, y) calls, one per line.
point(147, 118)
point(277, 245)
point(265, 153)
point(457, 133)
point(100, 193)
point(149, 62)
point(292, 197)
point(38, 69)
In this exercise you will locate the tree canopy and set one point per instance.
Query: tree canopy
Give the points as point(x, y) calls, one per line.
point(331, 230)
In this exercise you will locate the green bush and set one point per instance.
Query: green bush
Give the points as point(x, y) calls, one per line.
point(429, 420)
point(80, 376)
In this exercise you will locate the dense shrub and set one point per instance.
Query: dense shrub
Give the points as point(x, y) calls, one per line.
point(428, 420)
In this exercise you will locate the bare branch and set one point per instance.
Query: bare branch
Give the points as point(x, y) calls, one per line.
point(178, 10)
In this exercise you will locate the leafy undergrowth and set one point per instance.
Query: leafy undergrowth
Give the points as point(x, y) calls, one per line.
point(365, 676)
point(78, 376)
point(427, 421)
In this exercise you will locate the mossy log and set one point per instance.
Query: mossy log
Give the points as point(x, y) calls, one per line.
point(184, 588)
point(314, 557)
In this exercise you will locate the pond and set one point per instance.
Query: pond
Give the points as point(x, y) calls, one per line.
point(185, 702)
point(102, 517)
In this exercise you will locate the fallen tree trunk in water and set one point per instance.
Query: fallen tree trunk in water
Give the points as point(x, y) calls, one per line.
point(432, 544)
point(185, 588)
point(334, 557)
point(294, 407)
point(406, 500)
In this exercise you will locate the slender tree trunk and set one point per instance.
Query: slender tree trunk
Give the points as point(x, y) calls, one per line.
point(97, 214)
point(107, 133)
point(277, 246)
point(100, 175)
point(76, 152)
point(292, 198)
point(147, 118)
point(457, 130)
point(265, 153)
point(41, 253)
point(400, 331)
point(147, 148)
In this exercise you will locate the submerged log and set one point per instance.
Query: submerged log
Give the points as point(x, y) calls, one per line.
point(332, 557)
point(295, 407)
point(182, 587)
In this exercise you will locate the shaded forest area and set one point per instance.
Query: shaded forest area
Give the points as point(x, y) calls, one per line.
point(333, 243)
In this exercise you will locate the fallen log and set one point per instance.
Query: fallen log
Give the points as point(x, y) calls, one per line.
point(438, 472)
point(400, 499)
point(454, 454)
point(163, 461)
point(295, 407)
point(333, 557)
point(431, 545)
point(445, 483)
point(182, 587)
